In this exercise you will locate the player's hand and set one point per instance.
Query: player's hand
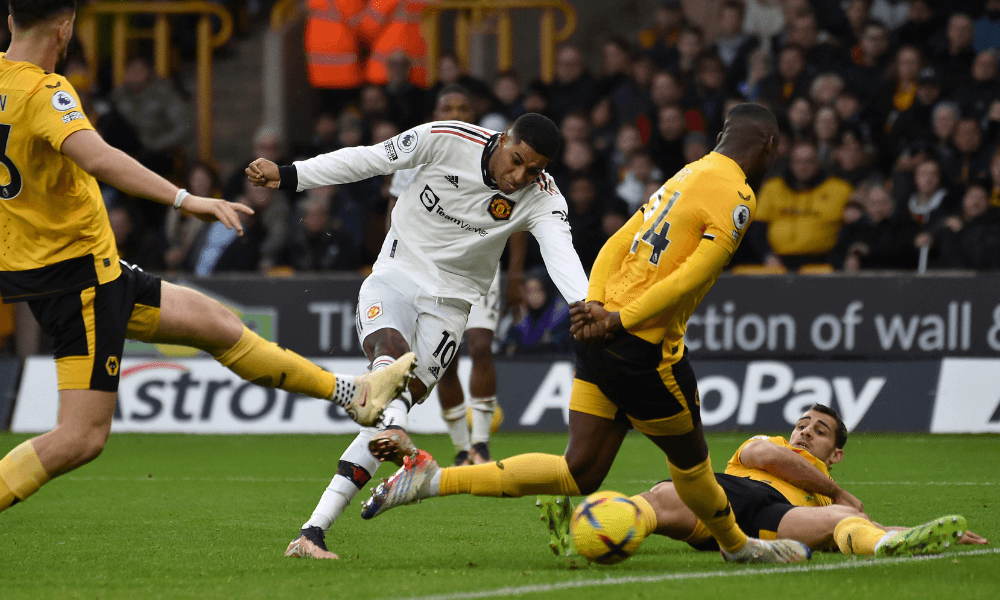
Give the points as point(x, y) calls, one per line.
point(263, 173)
point(973, 538)
point(845, 498)
point(591, 323)
point(214, 209)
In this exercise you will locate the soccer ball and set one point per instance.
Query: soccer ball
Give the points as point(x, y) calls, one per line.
point(605, 528)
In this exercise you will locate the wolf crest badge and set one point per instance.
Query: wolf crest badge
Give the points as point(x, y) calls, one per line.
point(501, 207)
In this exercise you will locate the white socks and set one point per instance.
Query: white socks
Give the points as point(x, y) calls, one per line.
point(458, 428)
point(482, 418)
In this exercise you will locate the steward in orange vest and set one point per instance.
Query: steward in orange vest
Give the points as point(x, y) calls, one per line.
point(332, 45)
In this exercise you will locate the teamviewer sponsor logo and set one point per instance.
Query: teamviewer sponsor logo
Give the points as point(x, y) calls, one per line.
point(428, 198)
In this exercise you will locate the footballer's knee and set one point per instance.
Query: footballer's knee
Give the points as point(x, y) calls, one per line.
point(385, 342)
point(480, 344)
point(83, 444)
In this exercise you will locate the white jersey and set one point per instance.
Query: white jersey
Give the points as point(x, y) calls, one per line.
point(451, 223)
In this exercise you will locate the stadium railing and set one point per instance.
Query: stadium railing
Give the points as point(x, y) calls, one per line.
point(485, 17)
point(123, 31)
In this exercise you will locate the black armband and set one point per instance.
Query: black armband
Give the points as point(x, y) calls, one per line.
point(289, 178)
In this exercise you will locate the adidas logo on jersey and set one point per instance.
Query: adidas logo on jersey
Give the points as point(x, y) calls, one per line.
point(434, 371)
point(452, 179)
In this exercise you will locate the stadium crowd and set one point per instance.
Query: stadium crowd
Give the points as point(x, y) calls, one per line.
point(889, 113)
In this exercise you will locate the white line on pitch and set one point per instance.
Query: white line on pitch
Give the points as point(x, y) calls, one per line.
point(583, 583)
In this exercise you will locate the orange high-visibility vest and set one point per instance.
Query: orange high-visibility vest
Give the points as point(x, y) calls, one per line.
point(332, 44)
point(400, 33)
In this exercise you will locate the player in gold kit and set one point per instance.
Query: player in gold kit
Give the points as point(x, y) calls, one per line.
point(632, 367)
point(58, 254)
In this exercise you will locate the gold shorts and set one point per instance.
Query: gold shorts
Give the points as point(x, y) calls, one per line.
point(89, 327)
point(632, 380)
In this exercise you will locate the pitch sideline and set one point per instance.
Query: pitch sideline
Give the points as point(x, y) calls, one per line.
point(551, 587)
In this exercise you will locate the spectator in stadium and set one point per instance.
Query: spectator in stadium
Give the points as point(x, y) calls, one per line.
point(690, 45)
point(825, 88)
point(764, 19)
point(970, 162)
point(573, 86)
point(586, 216)
point(407, 102)
point(826, 133)
point(758, 68)
point(544, 329)
point(801, 117)
point(920, 25)
point(603, 126)
point(666, 144)
point(507, 89)
point(327, 236)
point(639, 172)
point(944, 124)
point(899, 90)
point(852, 160)
point(156, 111)
point(608, 354)
point(183, 230)
point(821, 56)
point(856, 16)
point(970, 240)
point(987, 27)
point(733, 45)
point(68, 269)
point(982, 88)
point(875, 235)
point(707, 93)
point(914, 124)
point(803, 209)
point(628, 141)
point(953, 53)
point(661, 40)
point(219, 250)
point(931, 200)
point(790, 80)
point(783, 487)
point(869, 60)
point(696, 145)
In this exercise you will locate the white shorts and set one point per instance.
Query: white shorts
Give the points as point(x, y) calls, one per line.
point(486, 313)
point(433, 327)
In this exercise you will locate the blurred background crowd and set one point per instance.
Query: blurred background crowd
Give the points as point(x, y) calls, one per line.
point(889, 114)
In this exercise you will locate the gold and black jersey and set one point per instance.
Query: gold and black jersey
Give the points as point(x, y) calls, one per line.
point(708, 200)
point(793, 494)
point(54, 229)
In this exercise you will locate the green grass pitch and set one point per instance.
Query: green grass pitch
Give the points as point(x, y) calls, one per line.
point(188, 516)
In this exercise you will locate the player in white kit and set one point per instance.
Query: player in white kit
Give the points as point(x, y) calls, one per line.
point(475, 187)
point(454, 103)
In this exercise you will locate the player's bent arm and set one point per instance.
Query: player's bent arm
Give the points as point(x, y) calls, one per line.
point(788, 466)
point(112, 166)
point(610, 258)
point(700, 269)
point(560, 257)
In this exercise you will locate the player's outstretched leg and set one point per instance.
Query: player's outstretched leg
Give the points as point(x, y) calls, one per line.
point(930, 538)
point(311, 544)
point(415, 481)
point(373, 391)
point(557, 512)
point(769, 551)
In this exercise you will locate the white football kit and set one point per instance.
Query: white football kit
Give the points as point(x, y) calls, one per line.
point(484, 314)
point(449, 229)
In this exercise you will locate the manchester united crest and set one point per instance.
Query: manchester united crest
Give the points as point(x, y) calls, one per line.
point(501, 207)
point(373, 312)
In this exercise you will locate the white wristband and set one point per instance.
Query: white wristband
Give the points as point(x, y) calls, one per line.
point(181, 195)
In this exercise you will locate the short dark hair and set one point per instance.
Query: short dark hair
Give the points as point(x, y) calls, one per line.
point(454, 88)
point(840, 435)
point(28, 13)
point(539, 132)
